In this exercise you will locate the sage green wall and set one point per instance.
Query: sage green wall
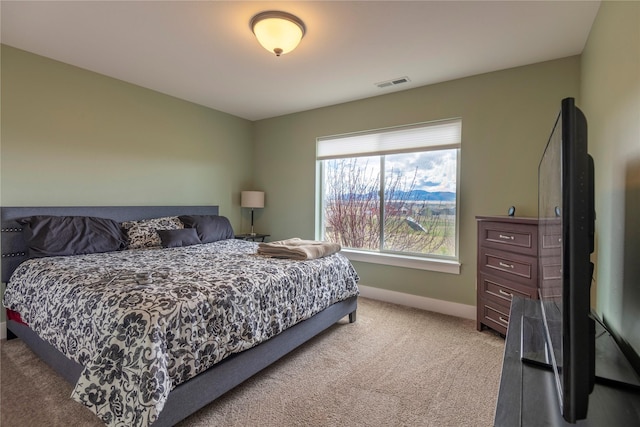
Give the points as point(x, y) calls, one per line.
point(611, 103)
point(506, 119)
point(74, 137)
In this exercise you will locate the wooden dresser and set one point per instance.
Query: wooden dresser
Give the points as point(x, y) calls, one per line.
point(507, 266)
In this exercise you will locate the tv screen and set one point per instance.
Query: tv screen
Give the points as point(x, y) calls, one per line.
point(565, 242)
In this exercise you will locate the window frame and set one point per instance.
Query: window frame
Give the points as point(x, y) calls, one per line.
point(447, 264)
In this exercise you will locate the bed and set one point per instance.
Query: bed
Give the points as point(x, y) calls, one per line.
point(150, 335)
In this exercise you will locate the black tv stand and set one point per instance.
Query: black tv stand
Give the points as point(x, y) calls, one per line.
point(611, 367)
point(528, 395)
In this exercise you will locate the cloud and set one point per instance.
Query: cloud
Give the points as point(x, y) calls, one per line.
point(434, 170)
point(429, 171)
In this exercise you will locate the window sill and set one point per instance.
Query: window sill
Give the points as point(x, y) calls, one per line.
point(431, 264)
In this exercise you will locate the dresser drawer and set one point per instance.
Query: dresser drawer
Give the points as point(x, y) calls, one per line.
point(520, 268)
point(551, 243)
point(502, 290)
point(493, 315)
point(551, 277)
point(507, 266)
point(550, 238)
point(520, 238)
point(551, 271)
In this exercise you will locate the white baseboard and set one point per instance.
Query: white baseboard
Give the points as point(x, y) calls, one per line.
point(439, 306)
point(3, 330)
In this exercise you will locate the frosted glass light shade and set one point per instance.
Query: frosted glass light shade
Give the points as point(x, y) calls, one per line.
point(278, 32)
point(252, 199)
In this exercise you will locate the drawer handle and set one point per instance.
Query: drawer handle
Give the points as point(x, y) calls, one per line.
point(502, 319)
point(502, 236)
point(505, 293)
point(505, 265)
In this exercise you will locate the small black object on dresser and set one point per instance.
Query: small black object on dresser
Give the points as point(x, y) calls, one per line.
point(507, 266)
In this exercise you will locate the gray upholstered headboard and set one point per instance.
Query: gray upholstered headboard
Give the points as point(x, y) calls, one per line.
point(14, 247)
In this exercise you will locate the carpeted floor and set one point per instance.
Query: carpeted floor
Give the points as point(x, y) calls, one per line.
point(396, 366)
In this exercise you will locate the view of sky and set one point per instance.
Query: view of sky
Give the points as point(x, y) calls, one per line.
point(430, 171)
point(436, 170)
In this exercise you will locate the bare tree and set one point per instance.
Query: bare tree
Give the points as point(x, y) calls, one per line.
point(353, 216)
point(352, 204)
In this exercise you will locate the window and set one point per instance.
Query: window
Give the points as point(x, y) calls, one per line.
point(392, 191)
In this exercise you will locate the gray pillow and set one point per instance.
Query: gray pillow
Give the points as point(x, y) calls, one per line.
point(210, 228)
point(48, 235)
point(178, 238)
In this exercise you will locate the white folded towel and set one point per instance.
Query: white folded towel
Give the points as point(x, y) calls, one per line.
point(298, 249)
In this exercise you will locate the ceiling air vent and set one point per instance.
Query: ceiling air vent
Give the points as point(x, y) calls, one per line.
point(393, 82)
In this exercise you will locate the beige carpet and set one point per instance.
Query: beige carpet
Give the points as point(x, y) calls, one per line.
point(395, 366)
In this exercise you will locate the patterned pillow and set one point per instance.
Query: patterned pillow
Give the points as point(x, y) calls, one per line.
point(143, 233)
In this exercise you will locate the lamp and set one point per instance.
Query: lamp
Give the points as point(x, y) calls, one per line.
point(278, 32)
point(252, 199)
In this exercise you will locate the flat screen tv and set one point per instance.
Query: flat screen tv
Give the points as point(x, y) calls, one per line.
point(566, 215)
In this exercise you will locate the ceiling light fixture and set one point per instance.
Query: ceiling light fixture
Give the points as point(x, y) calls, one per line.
point(278, 32)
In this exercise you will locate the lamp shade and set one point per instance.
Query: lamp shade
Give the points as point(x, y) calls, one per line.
point(278, 32)
point(252, 199)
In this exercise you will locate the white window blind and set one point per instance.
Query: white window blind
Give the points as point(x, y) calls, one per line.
point(441, 134)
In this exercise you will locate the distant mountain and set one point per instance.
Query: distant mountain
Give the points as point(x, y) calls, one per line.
point(415, 195)
point(421, 195)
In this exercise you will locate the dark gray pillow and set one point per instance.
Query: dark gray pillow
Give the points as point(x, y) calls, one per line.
point(210, 228)
point(178, 238)
point(71, 235)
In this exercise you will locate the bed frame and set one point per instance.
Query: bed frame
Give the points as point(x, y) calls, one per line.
point(199, 391)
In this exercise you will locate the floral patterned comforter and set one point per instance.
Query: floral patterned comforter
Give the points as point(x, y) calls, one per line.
point(143, 321)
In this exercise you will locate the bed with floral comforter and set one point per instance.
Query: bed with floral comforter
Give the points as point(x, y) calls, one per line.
point(143, 321)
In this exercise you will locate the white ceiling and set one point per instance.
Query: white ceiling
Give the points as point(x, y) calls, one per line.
point(205, 52)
